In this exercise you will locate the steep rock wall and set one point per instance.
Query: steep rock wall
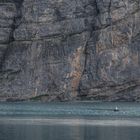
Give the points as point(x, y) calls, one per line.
point(70, 49)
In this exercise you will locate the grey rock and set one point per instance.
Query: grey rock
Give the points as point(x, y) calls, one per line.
point(70, 50)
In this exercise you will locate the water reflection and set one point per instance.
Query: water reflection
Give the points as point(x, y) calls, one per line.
point(69, 121)
point(66, 132)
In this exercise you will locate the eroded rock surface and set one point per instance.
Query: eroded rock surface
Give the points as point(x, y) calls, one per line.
point(70, 50)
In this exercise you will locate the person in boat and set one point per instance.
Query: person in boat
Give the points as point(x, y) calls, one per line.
point(116, 109)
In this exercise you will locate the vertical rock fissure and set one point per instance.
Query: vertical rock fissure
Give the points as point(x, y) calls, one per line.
point(17, 19)
point(16, 22)
point(86, 53)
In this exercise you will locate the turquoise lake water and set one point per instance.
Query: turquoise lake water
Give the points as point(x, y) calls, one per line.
point(69, 121)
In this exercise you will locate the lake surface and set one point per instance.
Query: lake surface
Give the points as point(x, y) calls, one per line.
point(69, 121)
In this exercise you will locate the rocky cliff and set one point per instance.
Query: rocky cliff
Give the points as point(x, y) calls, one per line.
point(70, 50)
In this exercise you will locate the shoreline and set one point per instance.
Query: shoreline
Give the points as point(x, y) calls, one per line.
point(69, 122)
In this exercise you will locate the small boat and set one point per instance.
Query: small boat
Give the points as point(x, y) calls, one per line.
point(116, 109)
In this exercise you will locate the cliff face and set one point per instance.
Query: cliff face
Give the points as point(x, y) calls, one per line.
point(70, 49)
